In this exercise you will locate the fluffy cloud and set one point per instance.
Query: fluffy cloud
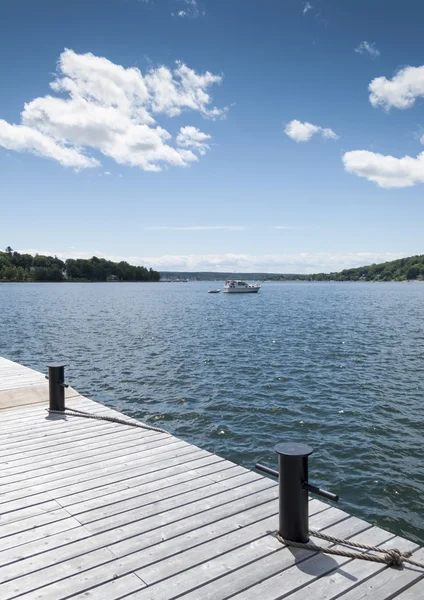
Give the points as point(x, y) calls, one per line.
point(18, 137)
point(367, 48)
point(386, 171)
point(173, 91)
point(248, 263)
point(113, 110)
point(302, 132)
point(193, 138)
point(401, 91)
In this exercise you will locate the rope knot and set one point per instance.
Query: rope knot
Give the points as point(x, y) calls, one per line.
point(394, 557)
point(391, 557)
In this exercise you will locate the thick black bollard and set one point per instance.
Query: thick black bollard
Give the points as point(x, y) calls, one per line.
point(293, 487)
point(57, 386)
point(293, 497)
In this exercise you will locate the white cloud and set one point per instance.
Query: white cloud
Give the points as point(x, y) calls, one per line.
point(366, 47)
point(182, 88)
point(191, 10)
point(389, 171)
point(113, 110)
point(193, 138)
point(401, 91)
point(20, 138)
point(302, 132)
point(197, 228)
point(386, 171)
point(306, 7)
point(267, 263)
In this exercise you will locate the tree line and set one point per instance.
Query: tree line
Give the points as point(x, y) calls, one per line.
point(25, 267)
point(403, 269)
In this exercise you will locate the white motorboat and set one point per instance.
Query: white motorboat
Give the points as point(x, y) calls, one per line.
point(237, 286)
point(213, 291)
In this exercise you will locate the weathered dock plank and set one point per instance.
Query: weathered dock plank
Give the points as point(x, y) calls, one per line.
point(97, 510)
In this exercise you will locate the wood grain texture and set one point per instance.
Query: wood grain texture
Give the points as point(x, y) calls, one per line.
point(97, 510)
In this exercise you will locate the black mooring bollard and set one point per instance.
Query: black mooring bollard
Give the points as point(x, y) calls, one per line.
point(293, 487)
point(57, 386)
point(293, 496)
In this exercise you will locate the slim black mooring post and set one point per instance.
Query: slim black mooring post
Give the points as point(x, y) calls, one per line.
point(57, 386)
point(293, 497)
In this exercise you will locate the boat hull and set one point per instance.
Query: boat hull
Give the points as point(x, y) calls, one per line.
point(252, 290)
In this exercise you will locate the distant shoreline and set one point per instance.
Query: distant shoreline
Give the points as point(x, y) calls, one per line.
point(16, 267)
point(74, 281)
point(222, 279)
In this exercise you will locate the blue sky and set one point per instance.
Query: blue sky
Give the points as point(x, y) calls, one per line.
point(213, 135)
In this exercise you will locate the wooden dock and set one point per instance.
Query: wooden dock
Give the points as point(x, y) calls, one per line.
point(93, 509)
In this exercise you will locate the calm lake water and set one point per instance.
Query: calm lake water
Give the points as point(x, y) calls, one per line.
point(337, 365)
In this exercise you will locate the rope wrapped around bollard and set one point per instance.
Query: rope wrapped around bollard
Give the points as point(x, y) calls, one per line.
point(391, 557)
point(57, 406)
point(294, 529)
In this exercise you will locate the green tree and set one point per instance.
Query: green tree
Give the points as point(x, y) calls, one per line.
point(413, 271)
